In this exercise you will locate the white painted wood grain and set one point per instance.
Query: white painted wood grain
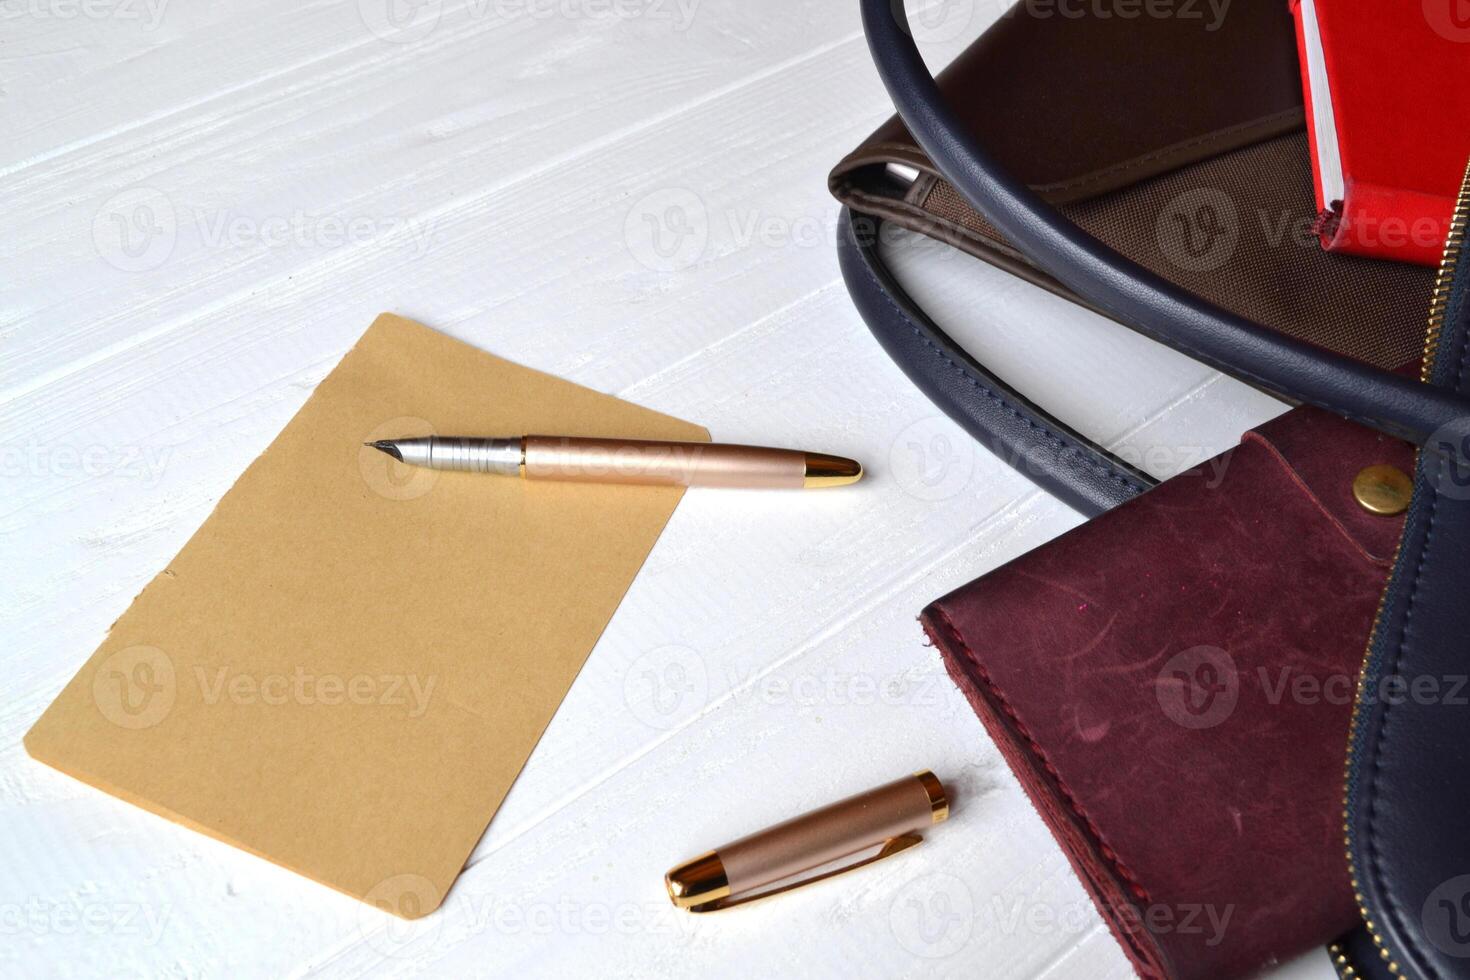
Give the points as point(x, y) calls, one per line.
point(501, 167)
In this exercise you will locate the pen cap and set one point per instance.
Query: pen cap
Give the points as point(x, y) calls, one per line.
point(813, 839)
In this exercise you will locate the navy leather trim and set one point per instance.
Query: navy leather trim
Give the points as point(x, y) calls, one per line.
point(1125, 290)
point(1059, 460)
point(1409, 768)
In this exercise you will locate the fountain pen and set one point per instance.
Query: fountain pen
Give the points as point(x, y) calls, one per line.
point(633, 461)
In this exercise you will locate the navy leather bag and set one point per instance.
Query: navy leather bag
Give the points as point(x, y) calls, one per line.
point(1407, 782)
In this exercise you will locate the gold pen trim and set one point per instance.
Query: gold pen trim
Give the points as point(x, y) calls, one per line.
point(697, 882)
point(823, 470)
point(938, 801)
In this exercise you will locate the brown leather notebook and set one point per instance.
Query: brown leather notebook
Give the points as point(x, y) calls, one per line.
point(1172, 684)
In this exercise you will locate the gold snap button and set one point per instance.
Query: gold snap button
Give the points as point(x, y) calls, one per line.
point(1383, 489)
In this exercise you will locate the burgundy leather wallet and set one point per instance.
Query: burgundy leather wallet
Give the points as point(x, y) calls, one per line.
point(1178, 718)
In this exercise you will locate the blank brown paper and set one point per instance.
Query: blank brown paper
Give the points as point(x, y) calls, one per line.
point(346, 667)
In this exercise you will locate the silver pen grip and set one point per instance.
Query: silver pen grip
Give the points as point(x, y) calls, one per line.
point(469, 455)
point(477, 455)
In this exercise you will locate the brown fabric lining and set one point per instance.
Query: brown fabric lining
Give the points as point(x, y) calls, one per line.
point(1236, 230)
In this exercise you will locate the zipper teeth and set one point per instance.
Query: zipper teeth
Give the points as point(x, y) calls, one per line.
point(1439, 305)
point(1344, 966)
point(1438, 309)
point(1347, 822)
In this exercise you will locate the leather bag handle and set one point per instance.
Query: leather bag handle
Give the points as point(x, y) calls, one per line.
point(1061, 461)
point(1125, 290)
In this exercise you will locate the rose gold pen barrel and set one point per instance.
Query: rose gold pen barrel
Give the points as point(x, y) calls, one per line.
point(857, 823)
point(686, 464)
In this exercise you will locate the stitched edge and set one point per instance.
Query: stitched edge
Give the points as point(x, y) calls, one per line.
point(1059, 441)
point(1108, 854)
point(1453, 315)
point(1380, 737)
point(904, 148)
point(1266, 124)
point(853, 195)
point(1295, 477)
point(1375, 857)
point(1218, 361)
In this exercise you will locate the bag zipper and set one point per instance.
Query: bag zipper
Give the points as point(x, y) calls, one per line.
point(1438, 310)
point(1444, 282)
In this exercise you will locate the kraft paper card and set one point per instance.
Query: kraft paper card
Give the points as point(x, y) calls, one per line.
point(348, 664)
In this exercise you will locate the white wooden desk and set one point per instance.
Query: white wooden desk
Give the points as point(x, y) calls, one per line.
point(207, 202)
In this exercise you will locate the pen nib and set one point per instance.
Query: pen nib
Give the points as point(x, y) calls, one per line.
point(387, 446)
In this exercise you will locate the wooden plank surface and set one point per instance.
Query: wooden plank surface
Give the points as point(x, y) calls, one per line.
point(207, 203)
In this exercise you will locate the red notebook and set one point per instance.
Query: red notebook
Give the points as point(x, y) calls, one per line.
point(1388, 107)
